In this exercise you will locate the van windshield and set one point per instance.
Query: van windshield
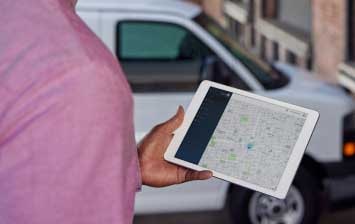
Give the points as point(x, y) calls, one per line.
point(265, 73)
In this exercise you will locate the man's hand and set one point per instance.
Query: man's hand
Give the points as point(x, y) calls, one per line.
point(155, 171)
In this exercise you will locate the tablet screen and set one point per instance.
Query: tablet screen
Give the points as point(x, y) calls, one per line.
point(242, 137)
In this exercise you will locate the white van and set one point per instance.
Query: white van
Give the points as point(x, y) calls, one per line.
point(166, 48)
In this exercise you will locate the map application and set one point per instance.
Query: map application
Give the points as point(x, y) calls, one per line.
point(242, 137)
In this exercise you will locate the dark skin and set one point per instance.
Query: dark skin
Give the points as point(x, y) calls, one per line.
point(155, 171)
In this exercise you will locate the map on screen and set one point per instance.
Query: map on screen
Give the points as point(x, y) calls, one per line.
point(242, 137)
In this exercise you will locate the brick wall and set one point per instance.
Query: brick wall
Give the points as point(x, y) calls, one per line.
point(329, 36)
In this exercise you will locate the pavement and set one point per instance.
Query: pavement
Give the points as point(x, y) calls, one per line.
point(221, 217)
point(338, 190)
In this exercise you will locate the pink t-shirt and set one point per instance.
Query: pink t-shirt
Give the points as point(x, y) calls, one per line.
point(67, 148)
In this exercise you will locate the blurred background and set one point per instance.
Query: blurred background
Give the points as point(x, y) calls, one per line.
point(298, 51)
point(316, 35)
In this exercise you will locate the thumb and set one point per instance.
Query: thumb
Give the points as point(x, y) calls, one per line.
point(173, 123)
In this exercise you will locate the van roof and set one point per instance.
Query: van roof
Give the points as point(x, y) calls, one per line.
point(177, 7)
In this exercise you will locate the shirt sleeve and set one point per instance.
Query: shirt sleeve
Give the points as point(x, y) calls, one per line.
point(67, 151)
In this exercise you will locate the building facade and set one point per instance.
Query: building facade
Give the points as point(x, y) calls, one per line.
point(274, 29)
point(316, 35)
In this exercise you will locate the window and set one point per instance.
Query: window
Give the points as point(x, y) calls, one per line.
point(160, 56)
point(253, 36)
point(164, 57)
point(291, 58)
point(237, 30)
point(275, 49)
point(263, 47)
point(233, 27)
point(310, 63)
point(157, 41)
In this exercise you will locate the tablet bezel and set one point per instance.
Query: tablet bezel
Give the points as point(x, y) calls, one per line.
point(295, 157)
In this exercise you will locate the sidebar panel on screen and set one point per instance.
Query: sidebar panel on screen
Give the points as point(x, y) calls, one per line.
point(203, 125)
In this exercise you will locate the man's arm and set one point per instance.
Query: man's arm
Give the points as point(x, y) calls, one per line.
point(157, 172)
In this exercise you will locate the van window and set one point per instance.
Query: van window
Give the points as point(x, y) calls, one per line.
point(264, 72)
point(161, 57)
point(158, 41)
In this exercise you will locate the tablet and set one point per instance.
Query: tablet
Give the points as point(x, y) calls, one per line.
point(243, 138)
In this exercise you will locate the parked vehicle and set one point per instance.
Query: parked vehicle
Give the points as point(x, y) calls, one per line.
point(166, 48)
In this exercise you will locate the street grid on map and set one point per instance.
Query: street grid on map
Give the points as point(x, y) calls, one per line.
point(253, 141)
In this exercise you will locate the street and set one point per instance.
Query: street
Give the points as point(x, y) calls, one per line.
point(343, 217)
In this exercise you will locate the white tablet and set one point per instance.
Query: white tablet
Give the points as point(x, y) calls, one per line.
point(243, 138)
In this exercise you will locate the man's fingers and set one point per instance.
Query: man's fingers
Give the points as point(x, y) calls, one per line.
point(197, 175)
point(173, 123)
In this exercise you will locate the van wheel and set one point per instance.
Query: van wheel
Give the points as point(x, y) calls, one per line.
point(301, 205)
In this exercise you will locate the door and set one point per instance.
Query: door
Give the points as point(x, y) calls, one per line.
point(162, 62)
